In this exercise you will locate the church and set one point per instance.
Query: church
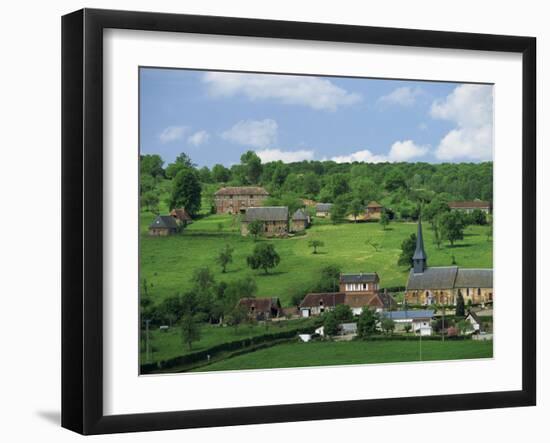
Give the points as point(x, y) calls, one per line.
point(442, 285)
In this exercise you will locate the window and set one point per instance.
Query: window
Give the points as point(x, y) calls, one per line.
point(478, 291)
point(365, 286)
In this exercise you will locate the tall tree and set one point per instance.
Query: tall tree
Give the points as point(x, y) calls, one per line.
point(263, 257)
point(460, 311)
point(220, 174)
point(452, 226)
point(366, 324)
point(186, 191)
point(252, 167)
point(330, 324)
point(151, 165)
point(356, 208)
point(190, 330)
point(225, 257)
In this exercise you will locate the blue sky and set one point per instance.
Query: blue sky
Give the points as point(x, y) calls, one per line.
point(216, 116)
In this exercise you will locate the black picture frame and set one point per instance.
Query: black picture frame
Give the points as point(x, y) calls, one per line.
point(82, 218)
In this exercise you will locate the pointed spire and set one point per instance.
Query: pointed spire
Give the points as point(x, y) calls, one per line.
point(420, 258)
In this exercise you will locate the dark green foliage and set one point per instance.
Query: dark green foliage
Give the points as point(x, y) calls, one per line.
point(356, 208)
point(190, 330)
point(220, 174)
point(343, 313)
point(407, 251)
point(339, 209)
point(440, 323)
point(263, 257)
point(151, 165)
point(329, 279)
point(366, 324)
point(205, 175)
point(150, 201)
point(452, 226)
point(460, 305)
point(331, 324)
point(252, 167)
point(478, 217)
point(395, 180)
point(315, 244)
point(186, 191)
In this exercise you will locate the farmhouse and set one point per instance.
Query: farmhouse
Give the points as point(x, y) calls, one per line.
point(300, 220)
point(323, 209)
point(318, 302)
point(181, 216)
point(420, 321)
point(442, 285)
point(362, 283)
point(373, 211)
point(261, 308)
point(235, 200)
point(470, 206)
point(273, 218)
point(162, 226)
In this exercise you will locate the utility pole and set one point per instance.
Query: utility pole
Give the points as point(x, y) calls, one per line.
point(147, 348)
point(443, 322)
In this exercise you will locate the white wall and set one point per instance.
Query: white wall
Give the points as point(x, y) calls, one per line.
point(30, 190)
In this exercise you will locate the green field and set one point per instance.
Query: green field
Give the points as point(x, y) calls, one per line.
point(167, 345)
point(294, 355)
point(168, 263)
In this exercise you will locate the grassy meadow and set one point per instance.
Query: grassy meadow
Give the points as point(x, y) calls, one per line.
point(295, 355)
point(168, 263)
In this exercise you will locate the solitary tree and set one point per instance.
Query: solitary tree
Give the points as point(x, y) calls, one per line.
point(315, 244)
point(190, 330)
point(459, 304)
point(225, 257)
point(255, 228)
point(384, 220)
point(452, 226)
point(252, 166)
point(263, 257)
point(374, 244)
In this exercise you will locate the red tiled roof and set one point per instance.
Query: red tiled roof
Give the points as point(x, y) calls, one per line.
point(328, 299)
point(242, 190)
point(469, 204)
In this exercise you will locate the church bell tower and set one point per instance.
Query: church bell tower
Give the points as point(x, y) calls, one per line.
point(420, 259)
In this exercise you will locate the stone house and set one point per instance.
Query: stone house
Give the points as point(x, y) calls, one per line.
point(470, 206)
point(261, 308)
point(235, 200)
point(273, 218)
point(442, 285)
point(163, 225)
point(300, 220)
point(365, 283)
point(323, 209)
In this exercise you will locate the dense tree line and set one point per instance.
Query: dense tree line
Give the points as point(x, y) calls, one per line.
point(402, 188)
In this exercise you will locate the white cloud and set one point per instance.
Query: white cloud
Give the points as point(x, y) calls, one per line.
point(470, 107)
point(271, 155)
point(403, 96)
point(172, 133)
point(198, 138)
point(256, 133)
point(400, 151)
point(316, 93)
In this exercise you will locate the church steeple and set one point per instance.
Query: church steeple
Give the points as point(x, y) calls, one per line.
point(420, 259)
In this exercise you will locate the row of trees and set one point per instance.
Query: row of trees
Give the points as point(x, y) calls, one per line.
point(400, 187)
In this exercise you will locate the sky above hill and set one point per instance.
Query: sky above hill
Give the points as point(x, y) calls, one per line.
point(216, 116)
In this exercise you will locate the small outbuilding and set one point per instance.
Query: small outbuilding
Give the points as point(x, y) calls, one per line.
point(181, 216)
point(163, 226)
point(273, 218)
point(373, 211)
point(300, 221)
point(323, 209)
point(264, 308)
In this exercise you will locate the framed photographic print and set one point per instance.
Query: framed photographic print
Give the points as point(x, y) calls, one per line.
point(261, 217)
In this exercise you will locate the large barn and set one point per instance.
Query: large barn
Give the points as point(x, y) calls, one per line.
point(442, 285)
point(235, 200)
point(274, 220)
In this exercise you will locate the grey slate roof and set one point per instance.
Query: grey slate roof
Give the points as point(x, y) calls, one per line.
point(164, 221)
point(402, 315)
point(323, 207)
point(328, 299)
point(474, 278)
point(363, 277)
point(433, 278)
point(419, 253)
point(299, 215)
point(267, 213)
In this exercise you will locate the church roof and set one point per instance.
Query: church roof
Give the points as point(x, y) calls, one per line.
point(474, 278)
point(433, 278)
